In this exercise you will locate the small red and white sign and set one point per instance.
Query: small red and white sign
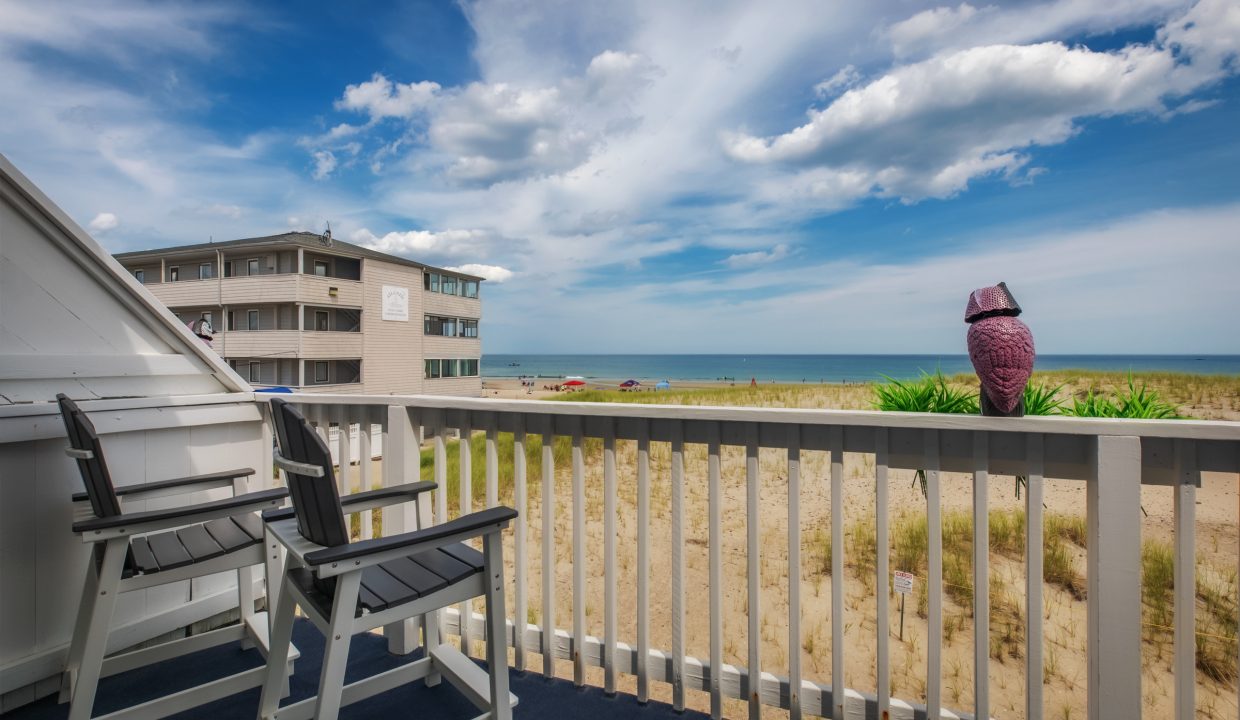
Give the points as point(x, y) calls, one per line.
point(902, 582)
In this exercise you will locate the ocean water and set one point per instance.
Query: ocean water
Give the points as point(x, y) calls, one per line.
point(819, 368)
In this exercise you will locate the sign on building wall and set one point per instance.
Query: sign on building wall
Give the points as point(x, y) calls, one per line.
point(395, 303)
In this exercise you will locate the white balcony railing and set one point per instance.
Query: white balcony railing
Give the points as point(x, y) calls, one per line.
point(1113, 458)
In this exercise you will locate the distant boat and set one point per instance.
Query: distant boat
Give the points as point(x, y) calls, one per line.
point(514, 364)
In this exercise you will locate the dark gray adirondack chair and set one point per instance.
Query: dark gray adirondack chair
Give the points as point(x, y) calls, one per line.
point(348, 588)
point(138, 550)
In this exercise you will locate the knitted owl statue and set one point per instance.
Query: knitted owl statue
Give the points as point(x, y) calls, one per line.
point(1001, 349)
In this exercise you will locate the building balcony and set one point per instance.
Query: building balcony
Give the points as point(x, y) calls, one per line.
point(635, 565)
point(267, 289)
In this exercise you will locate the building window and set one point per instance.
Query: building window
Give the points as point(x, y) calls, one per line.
point(469, 288)
point(320, 268)
point(432, 369)
point(139, 275)
point(232, 320)
point(448, 285)
point(432, 281)
point(469, 368)
point(320, 320)
point(256, 371)
point(174, 273)
point(251, 266)
point(228, 268)
point(251, 320)
point(320, 372)
point(204, 271)
point(449, 368)
point(469, 328)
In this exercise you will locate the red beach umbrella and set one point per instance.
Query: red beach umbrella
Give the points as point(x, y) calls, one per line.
point(574, 383)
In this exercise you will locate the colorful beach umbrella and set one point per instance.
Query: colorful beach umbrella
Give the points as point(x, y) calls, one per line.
point(629, 383)
point(574, 383)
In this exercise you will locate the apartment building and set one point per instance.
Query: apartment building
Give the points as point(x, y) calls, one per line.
point(321, 315)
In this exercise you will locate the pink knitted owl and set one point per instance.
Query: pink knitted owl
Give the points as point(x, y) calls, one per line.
point(1001, 348)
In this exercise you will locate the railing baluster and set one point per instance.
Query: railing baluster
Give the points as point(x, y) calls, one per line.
point(548, 549)
point(340, 413)
point(609, 552)
point(441, 493)
point(715, 503)
point(836, 440)
point(363, 466)
point(1113, 506)
point(579, 557)
point(794, 572)
point(882, 545)
point(981, 575)
point(519, 492)
point(678, 567)
point(492, 468)
point(1185, 579)
point(753, 569)
point(643, 561)
point(1033, 577)
point(465, 452)
point(934, 585)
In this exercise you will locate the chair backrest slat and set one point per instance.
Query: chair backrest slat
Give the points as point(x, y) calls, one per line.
point(94, 470)
point(315, 499)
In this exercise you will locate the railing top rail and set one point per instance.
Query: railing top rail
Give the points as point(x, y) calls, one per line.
point(1188, 429)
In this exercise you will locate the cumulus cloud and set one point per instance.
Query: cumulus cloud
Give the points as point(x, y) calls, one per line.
point(926, 129)
point(420, 244)
point(104, 222)
point(491, 273)
point(845, 78)
point(380, 98)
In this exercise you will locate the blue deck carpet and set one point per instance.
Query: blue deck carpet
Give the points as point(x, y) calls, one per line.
point(539, 696)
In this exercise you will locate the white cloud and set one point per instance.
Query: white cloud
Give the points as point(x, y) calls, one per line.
point(927, 129)
point(423, 244)
point(491, 273)
point(842, 80)
point(380, 98)
point(104, 222)
point(324, 164)
point(758, 257)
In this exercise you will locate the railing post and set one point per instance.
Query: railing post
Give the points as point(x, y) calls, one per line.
point(1185, 579)
point(1113, 506)
point(400, 462)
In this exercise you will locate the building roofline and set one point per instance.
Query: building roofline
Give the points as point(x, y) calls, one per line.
point(296, 238)
point(97, 262)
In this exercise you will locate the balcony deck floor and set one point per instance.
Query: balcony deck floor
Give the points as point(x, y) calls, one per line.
point(539, 697)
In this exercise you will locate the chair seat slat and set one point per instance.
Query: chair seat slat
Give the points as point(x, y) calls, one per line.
point(168, 550)
point(142, 555)
point(446, 566)
point(387, 588)
point(417, 575)
point(465, 554)
point(225, 532)
point(251, 525)
point(199, 543)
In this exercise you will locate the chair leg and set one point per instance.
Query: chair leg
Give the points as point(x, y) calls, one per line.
point(86, 607)
point(430, 636)
point(497, 632)
point(336, 654)
point(245, 601)
point(90, 660)
point(280, 625)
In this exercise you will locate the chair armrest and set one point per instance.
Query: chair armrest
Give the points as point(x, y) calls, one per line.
point(462, 528)
point(150, 520)
point(369, 500)
point(218, 478)
point(357, 502)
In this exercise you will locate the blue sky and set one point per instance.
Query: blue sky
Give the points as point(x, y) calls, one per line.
point(787, 176)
